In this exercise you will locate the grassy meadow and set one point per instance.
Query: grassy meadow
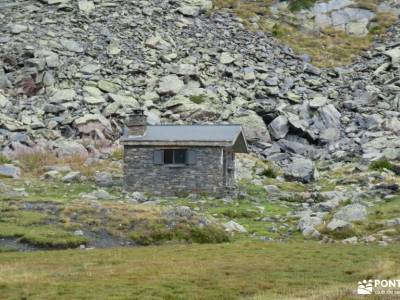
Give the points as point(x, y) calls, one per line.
point(241, 270)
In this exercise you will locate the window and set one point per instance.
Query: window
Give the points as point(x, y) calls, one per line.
point(175, 157)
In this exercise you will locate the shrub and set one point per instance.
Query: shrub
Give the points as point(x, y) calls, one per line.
point(159, 233)
point(269, 172)
point(209, 235)
point(118, 153)
point(340, 234)
point(226, 3)
point(34, 161)
point(296, 5)
point(4, 160)
point(381, 164)
point(235, 213)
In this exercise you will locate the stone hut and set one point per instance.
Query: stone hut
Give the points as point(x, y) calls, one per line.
point(180, 159)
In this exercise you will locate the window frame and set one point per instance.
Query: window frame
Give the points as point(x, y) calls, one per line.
point(174, 160)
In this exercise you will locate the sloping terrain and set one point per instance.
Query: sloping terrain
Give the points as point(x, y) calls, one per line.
point(75, 70)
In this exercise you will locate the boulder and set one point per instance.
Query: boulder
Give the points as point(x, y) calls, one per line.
point(71, 45)
point(189, 11)
point(226, 58)
point(301, 169)
point(170, 85)
point(86, 6)
point(90, 123)
point(307, 225)
point(279, 127)
point(232, 226)
point(10, 171)
point(71, 176)
point(318, 101)
point(253, 126)
point(103, 179)
point(64, 95)
point(336, 224)
point(351, 212)
point(70, 148)
point(3, 101)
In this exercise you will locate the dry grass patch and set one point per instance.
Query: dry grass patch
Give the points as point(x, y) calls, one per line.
point(329, 48)
point(35, 163)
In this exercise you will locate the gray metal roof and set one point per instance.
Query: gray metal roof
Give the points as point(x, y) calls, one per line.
point(202, 135)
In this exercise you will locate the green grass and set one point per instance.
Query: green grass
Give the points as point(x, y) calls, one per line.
point(31, 228)
point(4, 249)
point(183, 232)
point(52, 237)
point(47, 190)
point(23, 218)
point(223, 271)
point(269, 172)
point(45, 236)
point(117, 154)
point(4, 160)
point(297, 5)
point(197, 99)
point(382, 164)
point(389, 209)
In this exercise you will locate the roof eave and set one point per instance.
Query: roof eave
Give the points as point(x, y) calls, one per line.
point(128, 142)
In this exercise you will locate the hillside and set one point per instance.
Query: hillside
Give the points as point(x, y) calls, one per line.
point(316, 205)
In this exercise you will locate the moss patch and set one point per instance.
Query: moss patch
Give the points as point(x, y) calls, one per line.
point(197, 99)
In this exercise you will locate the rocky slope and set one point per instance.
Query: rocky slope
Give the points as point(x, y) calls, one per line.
point(75, 69)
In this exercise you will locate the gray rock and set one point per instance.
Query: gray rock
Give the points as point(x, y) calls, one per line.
point(71, 148)
point(102, 195)
point(190, 11)
point(301, 169)
point(394, 54)
point(336, 224)
point(108, 86)
point(86, 6)
point(351, 212)
point(10, 171)
point(352, 240)
point(307, 225)
point(104, 179)
point(138, 196)
point(71, 176)
point(72, 46)
point(18, 28)
point(254, 127)
point(90, 69)
point(330, 116)
point(64, 95)
point(226, 58)
point(232, 226)
point(170, 85)
point(3, 101)
point(279, 127)
point(318, 101)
